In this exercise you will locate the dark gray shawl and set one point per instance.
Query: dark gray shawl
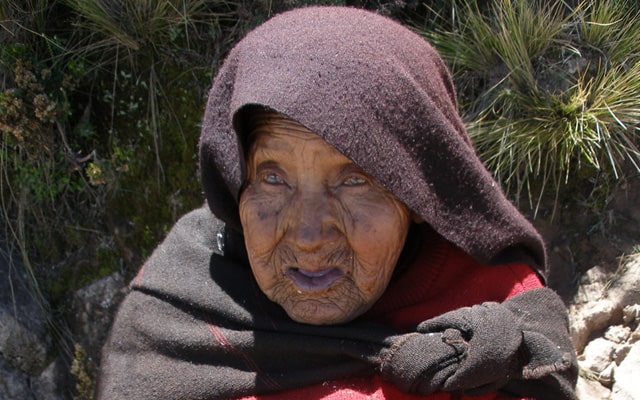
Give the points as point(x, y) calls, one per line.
point(196, 326)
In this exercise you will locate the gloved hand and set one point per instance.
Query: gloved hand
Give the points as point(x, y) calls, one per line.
point(421, 363)
point(489, 347)
point(493, 335)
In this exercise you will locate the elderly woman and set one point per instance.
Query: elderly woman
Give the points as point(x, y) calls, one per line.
point(353, 245)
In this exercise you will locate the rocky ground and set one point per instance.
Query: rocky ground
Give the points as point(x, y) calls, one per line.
point(597, 264)
point(597, 261)
point(605, 316)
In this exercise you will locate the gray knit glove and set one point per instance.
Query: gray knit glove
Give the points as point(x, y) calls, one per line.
point(519, 347)
point(421, 363)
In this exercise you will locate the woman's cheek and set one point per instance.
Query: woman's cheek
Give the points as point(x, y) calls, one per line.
point(259, 214)
point(259, 217)
point(372, 222)
point(376, 226)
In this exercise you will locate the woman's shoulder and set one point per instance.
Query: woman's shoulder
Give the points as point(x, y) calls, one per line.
point(183, 258)
point(199, 227)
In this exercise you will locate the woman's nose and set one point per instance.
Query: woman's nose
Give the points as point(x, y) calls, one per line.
point(312, 222)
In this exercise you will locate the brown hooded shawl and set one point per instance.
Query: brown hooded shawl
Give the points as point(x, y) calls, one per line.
point(196, 326)
point(383, 97)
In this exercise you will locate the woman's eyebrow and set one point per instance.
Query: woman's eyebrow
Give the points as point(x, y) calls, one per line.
point(351, 167)
point(267, 164)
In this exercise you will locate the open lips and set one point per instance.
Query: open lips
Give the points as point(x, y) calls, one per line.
point(316, 280)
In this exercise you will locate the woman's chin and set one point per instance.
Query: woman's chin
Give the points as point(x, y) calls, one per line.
point(314, 312)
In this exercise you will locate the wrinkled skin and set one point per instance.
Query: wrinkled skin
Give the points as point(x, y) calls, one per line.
point(323, 237)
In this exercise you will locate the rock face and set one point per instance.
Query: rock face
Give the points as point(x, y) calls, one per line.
point(626, 386)
point(25, 370)
point(607, 307)
point(28, 369)
point(94, 307)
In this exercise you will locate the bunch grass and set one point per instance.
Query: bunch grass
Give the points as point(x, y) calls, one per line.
point(155, 23)
point(143, 38)
point(551, 93)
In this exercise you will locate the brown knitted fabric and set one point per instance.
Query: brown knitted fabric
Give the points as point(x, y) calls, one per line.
point(382, 96)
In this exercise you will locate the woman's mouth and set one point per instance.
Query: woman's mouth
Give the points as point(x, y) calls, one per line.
point(316, 280)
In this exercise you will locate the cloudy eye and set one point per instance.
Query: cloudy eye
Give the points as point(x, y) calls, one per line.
point(354, 181)
point(273, 179)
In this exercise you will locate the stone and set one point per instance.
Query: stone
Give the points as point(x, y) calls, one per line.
point(631, 313)
point(601, 298)
point(625, 289)
point(94, 307)
point(22, 348)
point(597, 355)
point(606, 376)
point(635, 336)
point(617, 333)
point(24, 339)
point(587, 318)
point(17, 385)
point(14, 384)
point(46, 386)
point(627, 378)
point(591, 390)
point(26, 372)
point(593, 285)
point(620, 353)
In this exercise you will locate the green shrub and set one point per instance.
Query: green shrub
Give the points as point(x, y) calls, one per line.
point(83, 373)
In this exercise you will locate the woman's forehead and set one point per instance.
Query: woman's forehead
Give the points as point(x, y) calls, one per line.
point(282, 138)
point(281, 134)
point(285, 145)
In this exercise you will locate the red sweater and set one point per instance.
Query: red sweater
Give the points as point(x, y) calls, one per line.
point(441, 279)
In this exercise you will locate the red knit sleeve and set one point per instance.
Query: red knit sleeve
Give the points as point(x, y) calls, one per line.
point(445, 278)
point(524, 278)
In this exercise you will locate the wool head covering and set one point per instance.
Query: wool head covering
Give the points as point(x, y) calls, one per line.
point(382, 96)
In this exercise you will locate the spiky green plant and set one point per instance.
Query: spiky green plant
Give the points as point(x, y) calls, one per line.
point(549, 136)
point(497, 44)
point(28, 15)
point(550, 93)
point(135, 24)
point(140, 41)
point(610, 27)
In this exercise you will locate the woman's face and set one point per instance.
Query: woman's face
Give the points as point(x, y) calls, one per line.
point(323, 237)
